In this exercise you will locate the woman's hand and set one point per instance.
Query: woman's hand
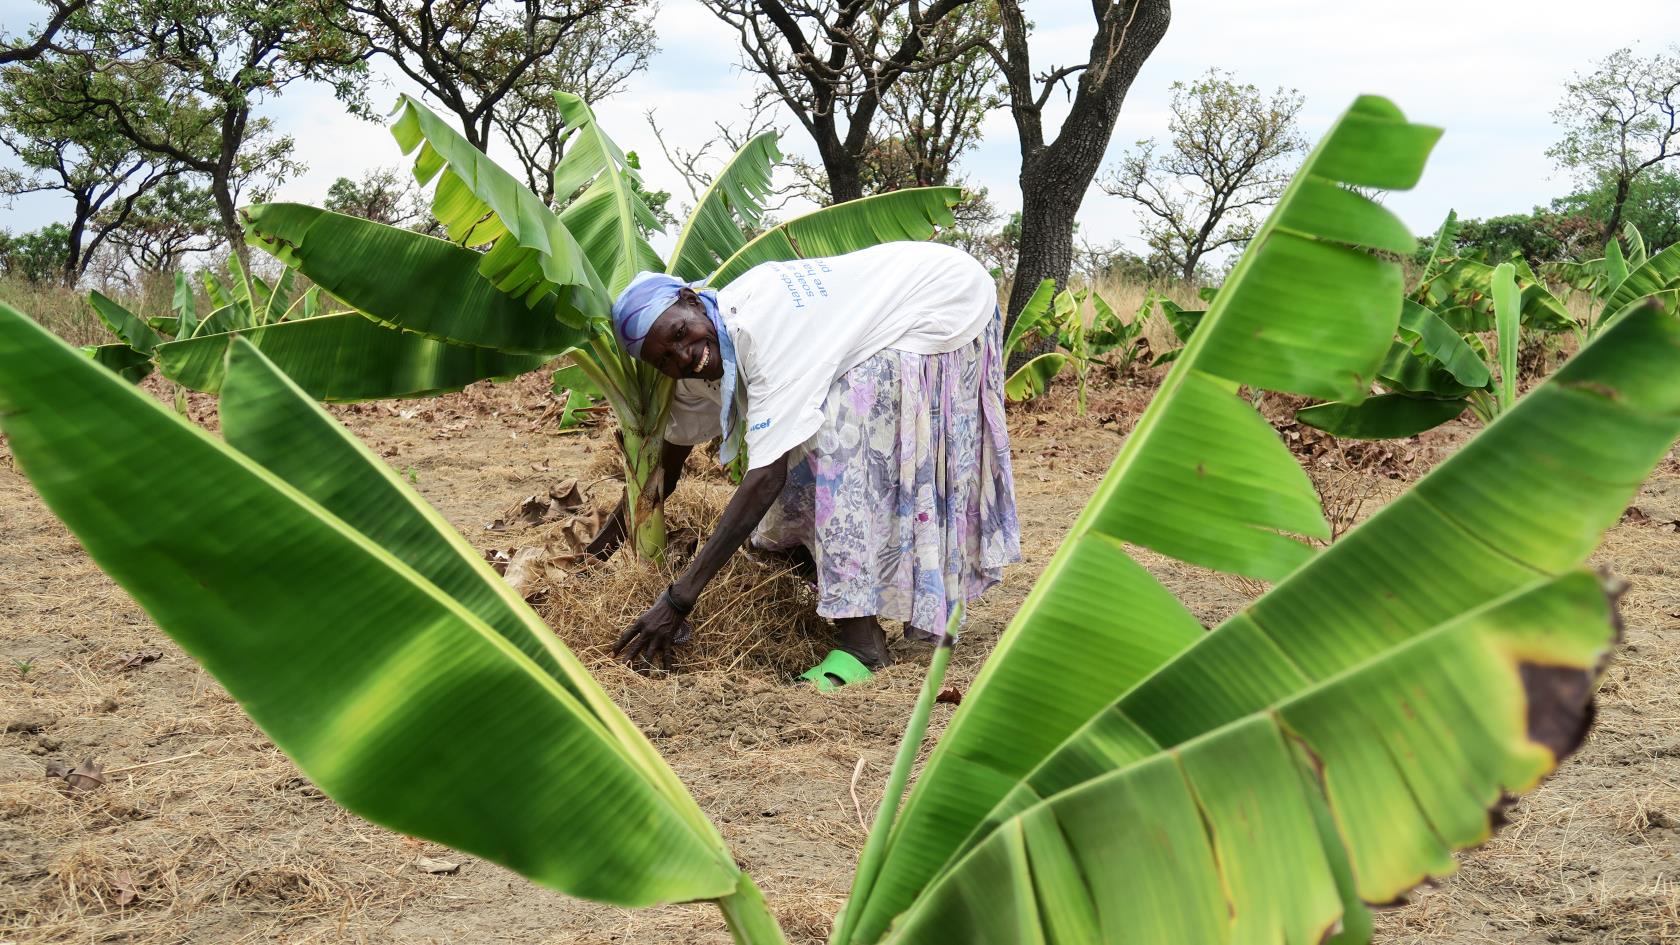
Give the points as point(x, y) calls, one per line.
point(654, 634)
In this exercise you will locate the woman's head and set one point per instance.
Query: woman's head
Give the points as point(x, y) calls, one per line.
point(663, 321)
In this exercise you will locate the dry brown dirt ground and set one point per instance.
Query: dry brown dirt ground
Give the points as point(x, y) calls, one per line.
point(203, 832)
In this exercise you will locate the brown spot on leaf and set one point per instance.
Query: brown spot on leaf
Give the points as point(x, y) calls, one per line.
point(1560, 707)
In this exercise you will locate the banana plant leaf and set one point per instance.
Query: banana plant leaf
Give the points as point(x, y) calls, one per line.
point(373, 681)
point(1443, 246)
point(1182, 322)
point(412, 281)
point(1637, 254)
point(608, 218)
point(1033, 378)
point(478, 203)
point(1384, 417)
point(234, 316)
point(1659, 272)
point(1406, 370)
point(129, 327)
point(1434, 338)
point(345, 357)
point(1026, 321)
point(1458, 618)
point(186, 308)
point(122, 360)
point(1507, 315)
point(914, 213)
point(732, 204)
point(1202, 478)
point(581, 393)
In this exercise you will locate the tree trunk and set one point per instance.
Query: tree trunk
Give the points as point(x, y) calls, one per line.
point(1055, 176)
point(73, 264)
point(1615, 224)
point(222, 191)
point(845, 178)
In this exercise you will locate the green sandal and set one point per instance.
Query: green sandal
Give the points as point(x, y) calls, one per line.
point(837, 669)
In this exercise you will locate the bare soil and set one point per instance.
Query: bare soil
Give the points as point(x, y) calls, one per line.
point(205, 833)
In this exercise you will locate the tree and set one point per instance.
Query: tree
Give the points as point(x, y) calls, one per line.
point(59, 13)
point(75, 154)
point(1056, 171)
point(833, 63)
point(1619, 121)
point(597, 57)
point(180, 80)
point(1652, 203)
point(495, 64)
point(1230, 151)
point(37, 256)
point(165, 224)
point(383, 195)
point(932, 114)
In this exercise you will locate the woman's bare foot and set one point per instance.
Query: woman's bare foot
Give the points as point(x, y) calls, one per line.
point(863, 638)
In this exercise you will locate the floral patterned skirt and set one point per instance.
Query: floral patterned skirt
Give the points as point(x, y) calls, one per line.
point(904, 497)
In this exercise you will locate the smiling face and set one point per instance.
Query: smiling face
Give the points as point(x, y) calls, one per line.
point(682, 342)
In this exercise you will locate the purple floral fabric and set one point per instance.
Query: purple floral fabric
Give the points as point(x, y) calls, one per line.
point(905, 497)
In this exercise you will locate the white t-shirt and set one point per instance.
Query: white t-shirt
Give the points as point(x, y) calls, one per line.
point(799, 325)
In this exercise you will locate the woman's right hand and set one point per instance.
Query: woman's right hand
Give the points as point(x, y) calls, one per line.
point(654, 635)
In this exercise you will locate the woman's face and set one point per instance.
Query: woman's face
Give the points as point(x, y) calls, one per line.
point(682, 342)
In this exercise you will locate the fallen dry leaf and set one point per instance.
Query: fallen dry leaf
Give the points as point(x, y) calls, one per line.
point(521, 571)
point(950, 695)
point(428, 865)
point(132, 660)
point(87, 776)
point(122, 883)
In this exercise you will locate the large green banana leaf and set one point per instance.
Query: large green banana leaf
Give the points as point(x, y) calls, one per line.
point(412, 281)
point(1027, 319)
point(1431, 336)
point(1440, 654)
point(1217, 840)
point(402, 679)
point(914, 213)
point(345, 357)
point(1033, 378)
point(126, 325)
point(732, 204)
point(1202, 477)
point(478, 202)
point(608, 218)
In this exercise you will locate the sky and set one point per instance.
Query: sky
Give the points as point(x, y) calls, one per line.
point(1488, 71)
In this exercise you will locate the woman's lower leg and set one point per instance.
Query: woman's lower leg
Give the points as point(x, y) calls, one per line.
point(863, 638)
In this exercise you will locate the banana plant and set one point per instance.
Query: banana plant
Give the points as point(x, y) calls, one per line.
point(1083, 344)
point(1325, 749)
point(1618, 280)
point(1438, 365)
point(518, 284)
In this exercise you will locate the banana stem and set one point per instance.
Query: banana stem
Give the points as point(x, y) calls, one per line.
point(748, 916)
point(869, 864)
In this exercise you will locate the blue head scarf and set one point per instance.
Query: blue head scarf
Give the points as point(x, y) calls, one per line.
point(640, 305)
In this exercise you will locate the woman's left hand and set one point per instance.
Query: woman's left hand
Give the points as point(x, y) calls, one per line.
point(654, 634)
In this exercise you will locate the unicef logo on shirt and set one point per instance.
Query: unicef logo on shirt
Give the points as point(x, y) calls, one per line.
point(758, 426)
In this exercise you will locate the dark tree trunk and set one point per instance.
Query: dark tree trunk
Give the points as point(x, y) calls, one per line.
point(1055, 175)
point(73, 264)
point(222, 191)
point(1615, 224)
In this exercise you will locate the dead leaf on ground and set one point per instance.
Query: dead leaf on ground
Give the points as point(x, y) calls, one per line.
point(132, 660)
point(563, 499)
point(1634, 515)
point(521, 572)
point(428, 865)
point(87, 776)
point(499, 559)
point(123, 884)
point(950, 695)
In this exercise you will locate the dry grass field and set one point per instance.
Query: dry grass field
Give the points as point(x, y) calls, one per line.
point(203, 833)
